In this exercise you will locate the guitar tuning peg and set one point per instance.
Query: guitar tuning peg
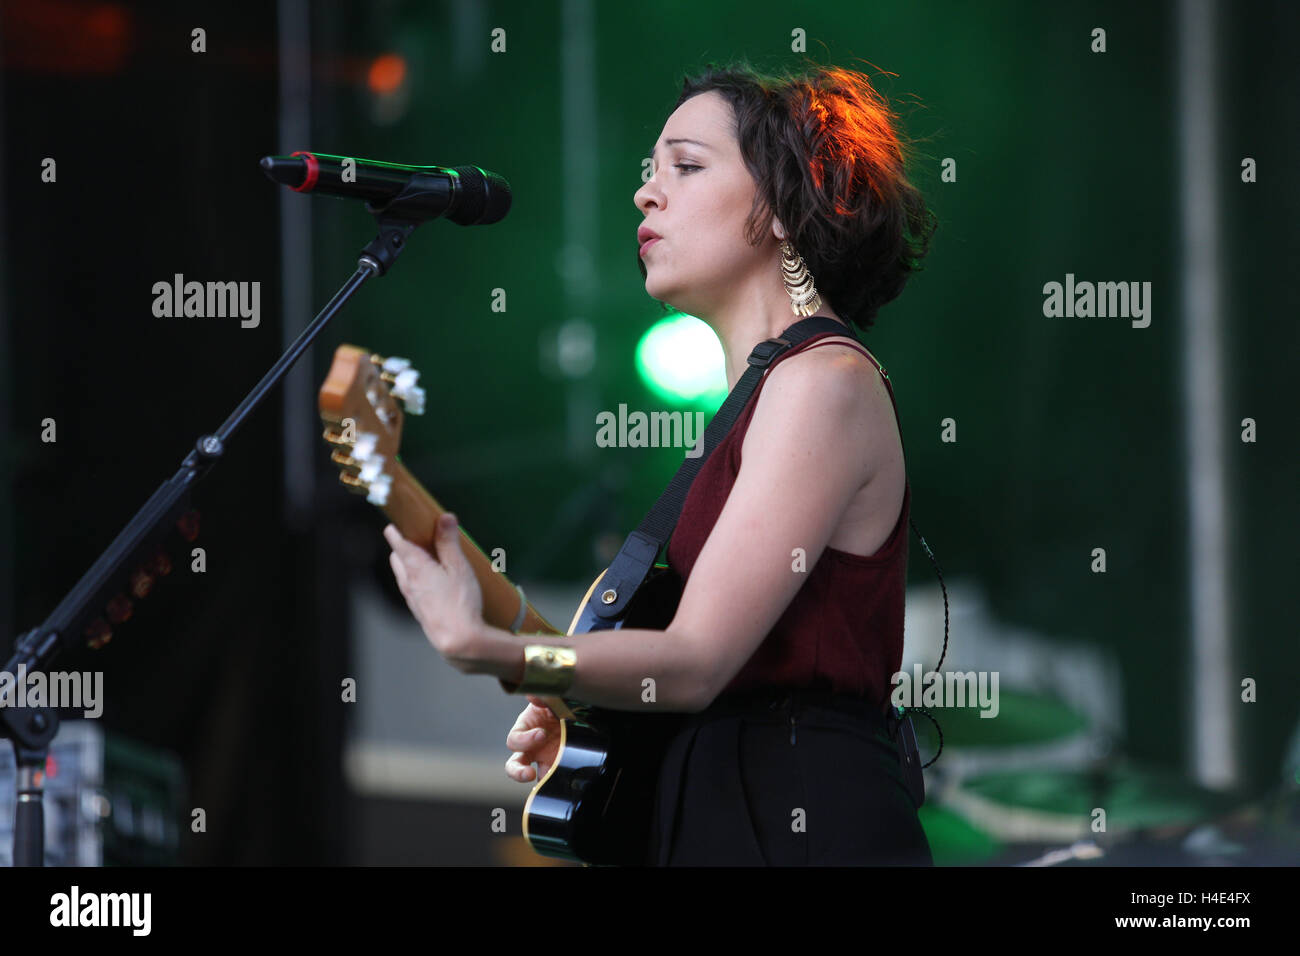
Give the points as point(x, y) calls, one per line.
point(364, 446)
point(393, 364)
point(412, 395)
point(371, 469)
point(377, 491)
point(334, 435)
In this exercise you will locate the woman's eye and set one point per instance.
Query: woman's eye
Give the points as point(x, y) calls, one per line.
point(684, 166)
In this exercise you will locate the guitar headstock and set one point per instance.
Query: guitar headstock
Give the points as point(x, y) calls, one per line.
point(362, 417)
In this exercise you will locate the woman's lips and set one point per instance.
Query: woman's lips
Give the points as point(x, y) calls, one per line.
point(647, 244)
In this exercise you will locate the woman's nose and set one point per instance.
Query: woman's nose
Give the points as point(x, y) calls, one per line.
point(648, 195)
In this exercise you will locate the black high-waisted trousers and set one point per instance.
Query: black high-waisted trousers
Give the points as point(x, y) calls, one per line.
point(785, 780)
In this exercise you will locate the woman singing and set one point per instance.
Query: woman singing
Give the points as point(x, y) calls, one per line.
point(792, 542)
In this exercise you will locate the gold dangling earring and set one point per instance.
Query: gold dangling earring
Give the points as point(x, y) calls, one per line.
point(804, 300)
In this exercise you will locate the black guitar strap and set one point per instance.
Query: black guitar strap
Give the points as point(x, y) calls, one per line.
point(641, 549)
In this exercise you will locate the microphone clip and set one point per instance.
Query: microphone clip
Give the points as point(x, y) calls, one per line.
point(379, 252)
point(397, 219)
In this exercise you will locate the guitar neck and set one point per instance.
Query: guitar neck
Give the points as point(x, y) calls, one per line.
point(415, 512)
point(363, 421)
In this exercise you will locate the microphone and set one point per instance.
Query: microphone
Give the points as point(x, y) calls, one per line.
point(467, 195)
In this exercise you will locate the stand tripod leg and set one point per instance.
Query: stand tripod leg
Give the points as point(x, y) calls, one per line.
point(29, 812)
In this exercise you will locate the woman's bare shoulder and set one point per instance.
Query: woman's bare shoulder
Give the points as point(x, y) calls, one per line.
point(838, 369)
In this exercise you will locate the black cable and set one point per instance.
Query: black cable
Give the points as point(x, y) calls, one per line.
point(942, 587)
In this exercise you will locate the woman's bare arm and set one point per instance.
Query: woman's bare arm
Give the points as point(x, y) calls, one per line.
point(811, 445)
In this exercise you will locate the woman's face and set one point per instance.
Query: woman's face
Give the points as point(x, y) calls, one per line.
point(698, 200)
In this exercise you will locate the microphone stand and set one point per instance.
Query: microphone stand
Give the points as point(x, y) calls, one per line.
point(77, 617)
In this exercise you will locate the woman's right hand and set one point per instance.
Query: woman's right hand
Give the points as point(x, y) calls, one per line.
point(535, 738)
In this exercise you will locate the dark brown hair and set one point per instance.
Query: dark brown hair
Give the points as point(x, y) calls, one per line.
point(827, 160)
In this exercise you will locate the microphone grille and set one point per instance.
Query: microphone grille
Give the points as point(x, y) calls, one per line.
point(484, 197)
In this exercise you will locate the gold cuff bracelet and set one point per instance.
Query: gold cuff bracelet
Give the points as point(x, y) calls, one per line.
point(548, 671)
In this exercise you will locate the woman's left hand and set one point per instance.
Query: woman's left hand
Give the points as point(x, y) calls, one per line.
point(441, 592)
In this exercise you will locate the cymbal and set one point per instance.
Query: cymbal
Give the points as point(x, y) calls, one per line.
point(1022, 719)
point(1060, 805)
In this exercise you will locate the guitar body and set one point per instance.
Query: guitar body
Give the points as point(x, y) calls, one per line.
point(595, 803)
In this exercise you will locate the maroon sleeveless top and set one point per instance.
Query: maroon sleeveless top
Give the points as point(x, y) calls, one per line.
point(843, 631)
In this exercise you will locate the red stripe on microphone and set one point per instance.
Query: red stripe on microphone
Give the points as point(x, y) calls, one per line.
point(313, 172)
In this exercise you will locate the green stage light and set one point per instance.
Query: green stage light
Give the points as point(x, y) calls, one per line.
point(680, 359)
